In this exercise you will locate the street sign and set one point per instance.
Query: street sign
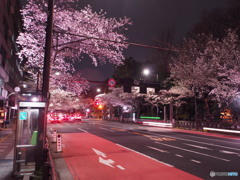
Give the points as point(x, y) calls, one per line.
point(111, 82)
point(23, 115)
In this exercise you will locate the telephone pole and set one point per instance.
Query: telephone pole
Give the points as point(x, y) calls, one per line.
point(42, 123)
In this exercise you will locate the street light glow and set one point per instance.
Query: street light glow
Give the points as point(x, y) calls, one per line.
point(98, 90)
point(146, 72)
point(34, 99)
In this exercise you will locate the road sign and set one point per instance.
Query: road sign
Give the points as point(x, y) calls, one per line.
point(111, 82)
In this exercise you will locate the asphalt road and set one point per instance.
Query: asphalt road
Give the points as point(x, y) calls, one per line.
point(204, 156)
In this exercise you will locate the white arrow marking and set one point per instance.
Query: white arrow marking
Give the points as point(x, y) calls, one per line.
point(201, 147)
point(107, 162)
point(228, 152)
point(120, 167)
point(99, 153)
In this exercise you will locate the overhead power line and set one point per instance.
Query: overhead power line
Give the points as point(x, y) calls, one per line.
point(113, 41)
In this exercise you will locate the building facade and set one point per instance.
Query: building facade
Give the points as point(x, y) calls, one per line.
point(10, 71)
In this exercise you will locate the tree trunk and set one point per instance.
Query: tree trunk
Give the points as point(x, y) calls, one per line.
point(195, 107)
point(207, 112)
point(165, 113)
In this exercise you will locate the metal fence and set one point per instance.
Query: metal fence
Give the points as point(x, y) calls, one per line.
point(199, 125)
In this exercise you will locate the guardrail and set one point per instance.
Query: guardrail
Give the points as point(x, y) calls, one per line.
point(201, 125)
point(221, 130)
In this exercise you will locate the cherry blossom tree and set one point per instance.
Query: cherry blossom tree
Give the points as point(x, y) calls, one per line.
point(63, 100)
point(210, 70)
point(76, 32)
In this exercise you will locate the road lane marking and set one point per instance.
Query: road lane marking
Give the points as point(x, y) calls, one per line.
point(82, 130)
point(99, 153)
point(139, 133)
point(200, 147)
point(120, 167)
point(107, 162)
point(146, 155)
point(154, 138)
point(193, 160)
point(106, 129)
point(228, 152)
point(160, 150)
point(198, 142)
point(206, 138)
point(178, 155)
point(118, 129)
point(215, 157)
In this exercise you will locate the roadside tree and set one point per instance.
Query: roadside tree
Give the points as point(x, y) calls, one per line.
point(76, 32)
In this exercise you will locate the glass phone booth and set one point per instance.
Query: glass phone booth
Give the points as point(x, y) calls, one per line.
point(27, 137)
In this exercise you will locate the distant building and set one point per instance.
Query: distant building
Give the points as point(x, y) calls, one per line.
point(10, 71)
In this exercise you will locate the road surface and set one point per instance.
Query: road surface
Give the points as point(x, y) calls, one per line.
point(96, 149)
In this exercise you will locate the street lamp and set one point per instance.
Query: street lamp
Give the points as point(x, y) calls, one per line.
point(57, 73)
point(98, 90)
point(147, 72)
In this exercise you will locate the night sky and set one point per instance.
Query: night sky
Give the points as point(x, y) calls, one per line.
point(151, 18)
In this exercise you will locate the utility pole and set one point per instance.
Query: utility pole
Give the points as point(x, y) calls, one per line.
point(42, 123)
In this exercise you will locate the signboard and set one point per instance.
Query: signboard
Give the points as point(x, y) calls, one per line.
point(32, 104)
point(135, 89)
point(111, 82)
point(23, 115)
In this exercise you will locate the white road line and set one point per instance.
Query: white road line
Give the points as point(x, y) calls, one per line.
point(206, 138)
point(82, 130)
point(106, 129)
point(193, 141)
point(195, 161)
point(178, 155)
point(228, 152)
point(194, 152)
point(200, 147)
point(160, 150)
point(146, 156)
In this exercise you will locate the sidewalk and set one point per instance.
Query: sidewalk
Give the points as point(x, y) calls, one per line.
point(58, 163)
point(6, 153)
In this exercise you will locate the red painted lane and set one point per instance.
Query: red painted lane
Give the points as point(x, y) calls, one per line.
point(83, 162)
